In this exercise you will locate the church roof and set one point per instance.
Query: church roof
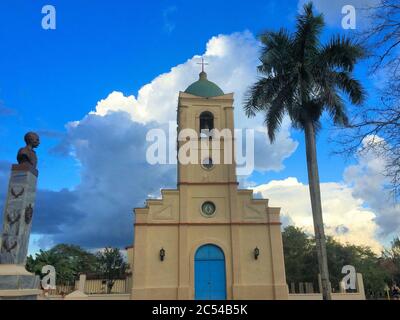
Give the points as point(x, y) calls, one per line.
point(204, 88)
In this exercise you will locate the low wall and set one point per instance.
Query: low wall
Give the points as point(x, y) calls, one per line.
point(348, 296)
point(98, 287)
point(318, 296)
point(125, 296)
point(94, 287)
point(305, 296)
point(299, 296)
point(359, 295)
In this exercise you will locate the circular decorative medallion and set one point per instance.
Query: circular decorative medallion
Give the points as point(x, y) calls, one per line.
point(207, 163)
point(208, 208)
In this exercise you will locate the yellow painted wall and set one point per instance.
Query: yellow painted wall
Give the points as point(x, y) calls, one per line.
point(176, 224)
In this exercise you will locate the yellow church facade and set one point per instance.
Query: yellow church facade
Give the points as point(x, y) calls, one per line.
point(207, 239)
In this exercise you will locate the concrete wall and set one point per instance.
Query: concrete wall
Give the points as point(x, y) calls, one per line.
point(359, 295)
point(305, 296)
point(125, 296)
point(318, 296)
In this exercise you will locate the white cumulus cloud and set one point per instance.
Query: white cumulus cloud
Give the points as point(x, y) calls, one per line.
point(232, 65)
point(345, 217)
point(232, 61)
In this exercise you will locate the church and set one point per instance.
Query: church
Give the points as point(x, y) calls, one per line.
point(207, 239)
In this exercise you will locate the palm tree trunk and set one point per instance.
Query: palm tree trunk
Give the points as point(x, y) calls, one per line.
point(315, 195)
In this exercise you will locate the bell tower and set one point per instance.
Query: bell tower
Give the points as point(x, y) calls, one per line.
point(205, 125)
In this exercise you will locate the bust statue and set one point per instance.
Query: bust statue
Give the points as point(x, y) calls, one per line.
point(27, 154)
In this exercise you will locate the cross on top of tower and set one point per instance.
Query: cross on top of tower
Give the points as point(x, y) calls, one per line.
point(202, 64)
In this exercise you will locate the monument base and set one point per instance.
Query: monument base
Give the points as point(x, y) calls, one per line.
point(18, 284)
point(76, 295)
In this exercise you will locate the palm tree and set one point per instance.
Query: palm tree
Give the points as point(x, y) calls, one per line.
point(302, 77)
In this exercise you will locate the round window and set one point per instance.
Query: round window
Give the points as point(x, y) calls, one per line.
point(207, 163)
point(208, 208)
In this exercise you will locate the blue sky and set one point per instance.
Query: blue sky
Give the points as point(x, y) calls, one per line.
point(50, 78)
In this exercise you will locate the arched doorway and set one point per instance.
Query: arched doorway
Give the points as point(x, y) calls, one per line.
point(209, 273)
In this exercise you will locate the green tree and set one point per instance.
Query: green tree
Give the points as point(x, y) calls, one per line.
point(111, 265)
point(364, 260)
point(68, 260)
point(301, 261)
point(298, 250)
point(391, 261)
point(303, 78)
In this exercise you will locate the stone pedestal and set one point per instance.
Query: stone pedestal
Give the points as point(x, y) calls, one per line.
point(76, 295)
point(15, 281)
point(18, 284)
point(80, 293)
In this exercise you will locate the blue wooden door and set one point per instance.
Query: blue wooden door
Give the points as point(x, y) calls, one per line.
point(209, 273)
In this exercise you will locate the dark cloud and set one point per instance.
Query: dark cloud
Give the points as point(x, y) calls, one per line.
point(115, 178)
point(389, 218)
point(54, 210)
